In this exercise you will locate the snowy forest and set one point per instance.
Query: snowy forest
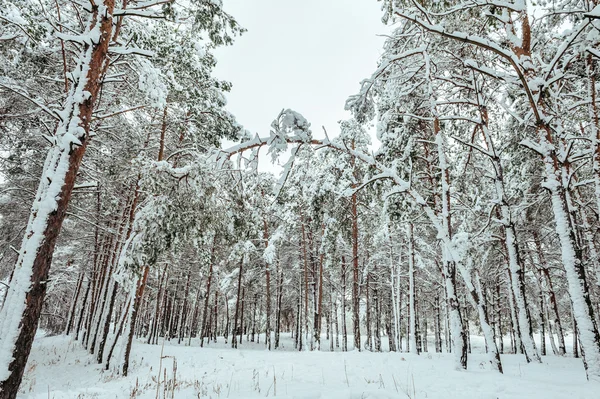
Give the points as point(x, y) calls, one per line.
point(443, 241)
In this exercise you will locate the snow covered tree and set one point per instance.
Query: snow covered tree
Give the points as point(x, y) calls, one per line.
point(97, 33)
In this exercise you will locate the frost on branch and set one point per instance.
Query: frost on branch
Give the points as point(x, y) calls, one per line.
point(289, 126)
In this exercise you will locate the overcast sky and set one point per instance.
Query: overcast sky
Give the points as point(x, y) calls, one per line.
point(307, 55)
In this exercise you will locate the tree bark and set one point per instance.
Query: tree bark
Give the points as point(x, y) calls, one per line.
point(133, 317)
point(279, 302)
point(235, 331)
point(412, 316)
point(74, 300)
point(355, 276)
point(21, 311)
point(159, 298)
point(552, 296)
point(184, 308)
point(267, 287)
point(107, 320)
point(343, 312)
point(82, 310)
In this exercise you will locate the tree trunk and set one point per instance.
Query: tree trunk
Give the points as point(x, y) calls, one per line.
point(279, 302)
point(208, 283)
point(107, 320)
point(343, 313)
point(305, 260)
point(330, 318)
point(118, 334)
point(553, 303)
point(424, 336)
point(82, 310)
point(515, 265)
point(74, 300)
point(412, 312)
point(319, 313)
point(298, 339)
point(368, 311)
point(438, 324)
point(499, 318)
point(235, 331)
point(215, 315)
point(22, 307)
point(583, 310)
point(226, 332)
point(542, 325)
point(184, 308)
point(377, 333)
point(458, 337)
point(159, 299)
point(98, 280)
point(267, 287)
point(336, 322)
point(137, 300)
point(355, 277)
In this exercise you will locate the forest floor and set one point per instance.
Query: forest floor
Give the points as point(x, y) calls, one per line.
point(59, 368)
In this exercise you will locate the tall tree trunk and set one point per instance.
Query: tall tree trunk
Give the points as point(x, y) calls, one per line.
point(242, 319)
point(184, 308)
point(395, 299)
point(254, 309)
point(458, 337)
point(377, 332)
point(125, 312)
point(82, 310)
point(336, 322)
point(305, 260)
point(161, 328)
point(332, 315)
point(517, 346)
point(267, 287)
point(298, 339)
point(319, 307)
point(355, 274)
point(368, 311)
point(208, 283)
point(226, 332)
point(499, 318)
point(215, 315)
point(542, 325)
point(194, 323)
point(438, 324)
point(74, 300)
point(155, 321)
point(107, 320)
point(412, 315)
point(22, 307)
point(343, 312)
point(589, 338)
point(137, 300)
point(279, 302)
point(101, 311)
point(235, 330)
point(98, 281)
point(424, 336)
point(552, 296)
point(515, 264)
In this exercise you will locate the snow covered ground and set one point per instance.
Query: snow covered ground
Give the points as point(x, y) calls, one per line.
point(60, 369)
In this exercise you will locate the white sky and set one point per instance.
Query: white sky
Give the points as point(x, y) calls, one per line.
point(307, 55)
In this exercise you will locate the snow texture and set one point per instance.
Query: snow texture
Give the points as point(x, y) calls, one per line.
point(60, 368)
